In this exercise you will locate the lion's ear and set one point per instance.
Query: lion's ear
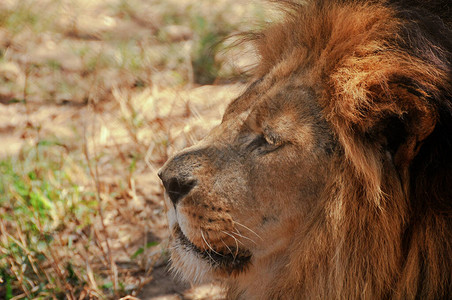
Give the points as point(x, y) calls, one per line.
point(407, 127)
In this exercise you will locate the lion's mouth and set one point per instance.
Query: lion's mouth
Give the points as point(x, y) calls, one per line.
point(236, 261)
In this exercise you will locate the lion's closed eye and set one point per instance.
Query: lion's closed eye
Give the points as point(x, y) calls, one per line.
point(265, 143)
point(273, 139)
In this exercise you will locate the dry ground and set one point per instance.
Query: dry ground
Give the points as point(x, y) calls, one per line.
point(94, 97)
point(132, 203)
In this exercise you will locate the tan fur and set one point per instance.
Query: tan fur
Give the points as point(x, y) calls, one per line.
point(316, 174)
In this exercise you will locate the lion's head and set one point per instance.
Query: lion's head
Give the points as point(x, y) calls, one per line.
point(331, 175)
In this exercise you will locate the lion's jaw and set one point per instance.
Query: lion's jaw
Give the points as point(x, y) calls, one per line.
point(236, 199)
point(237, 263)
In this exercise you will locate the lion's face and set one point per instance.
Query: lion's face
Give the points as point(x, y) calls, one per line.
point(329, 178)
point(236, 198)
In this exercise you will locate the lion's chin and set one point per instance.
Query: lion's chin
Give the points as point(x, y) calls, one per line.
point(215, 263)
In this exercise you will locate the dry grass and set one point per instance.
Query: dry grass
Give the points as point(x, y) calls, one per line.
point(94, 97)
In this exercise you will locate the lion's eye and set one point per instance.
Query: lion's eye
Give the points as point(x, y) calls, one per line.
point(259, 141)
point(271, 140)
point(264, 144)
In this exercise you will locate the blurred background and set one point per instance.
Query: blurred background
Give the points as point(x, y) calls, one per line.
point(95, 95)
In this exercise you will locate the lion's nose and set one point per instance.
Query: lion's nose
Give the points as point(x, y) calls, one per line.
point(177, 188)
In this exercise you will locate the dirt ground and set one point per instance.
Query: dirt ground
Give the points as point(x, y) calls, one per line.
point(125, 229)
point(165, 287)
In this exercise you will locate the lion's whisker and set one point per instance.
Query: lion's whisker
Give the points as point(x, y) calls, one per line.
point(230, 234)
point(242, 236)
point(230, 251)
point(236, 243)
point(235, 222)
point(208, 245)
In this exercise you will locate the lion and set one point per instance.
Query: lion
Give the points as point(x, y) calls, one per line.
point(330, 177)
